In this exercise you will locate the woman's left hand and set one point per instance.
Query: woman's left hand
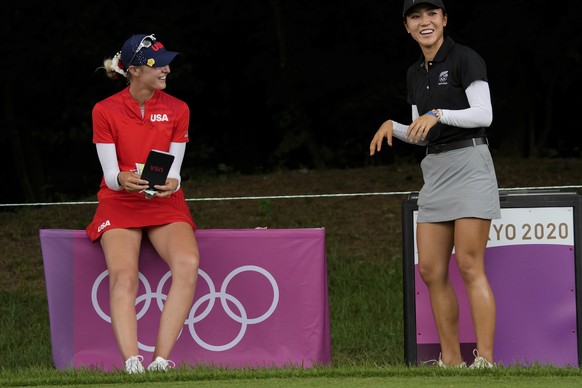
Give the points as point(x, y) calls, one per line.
point(168, 189)
point(418, 130)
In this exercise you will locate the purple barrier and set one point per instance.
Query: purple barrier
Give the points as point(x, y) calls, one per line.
point(532, 264)
point(536, 307)
point(261, 300)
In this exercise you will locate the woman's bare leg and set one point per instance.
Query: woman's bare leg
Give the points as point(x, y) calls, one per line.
point(435, 244)
point(176, 244)
point(121, 248)
point(471, 235)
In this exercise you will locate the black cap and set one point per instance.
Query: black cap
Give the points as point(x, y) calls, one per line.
point(408, 4)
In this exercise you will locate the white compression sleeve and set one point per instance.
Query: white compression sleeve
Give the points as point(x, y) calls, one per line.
point(399, 130)
point(108, 159)
point(480, 112)
point(178, 150)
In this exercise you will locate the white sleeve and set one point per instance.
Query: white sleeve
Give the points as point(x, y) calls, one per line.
point(415, 113)
point(480, 112)
point(399, 130)
point(108, 159)
point(178, 150)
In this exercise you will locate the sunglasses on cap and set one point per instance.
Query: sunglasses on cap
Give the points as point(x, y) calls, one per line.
point(146, 42)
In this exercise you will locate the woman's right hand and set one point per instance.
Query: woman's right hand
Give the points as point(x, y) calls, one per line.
point(131, 182)
point(385, 131)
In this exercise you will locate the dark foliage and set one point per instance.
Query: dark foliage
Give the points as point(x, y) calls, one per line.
point(271, 83)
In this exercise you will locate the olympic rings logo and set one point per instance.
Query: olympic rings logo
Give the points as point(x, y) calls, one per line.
point(211, 297)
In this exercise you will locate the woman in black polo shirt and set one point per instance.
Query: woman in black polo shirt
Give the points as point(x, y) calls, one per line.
point(451, 107)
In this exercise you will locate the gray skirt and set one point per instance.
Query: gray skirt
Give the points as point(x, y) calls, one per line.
point(459, 184)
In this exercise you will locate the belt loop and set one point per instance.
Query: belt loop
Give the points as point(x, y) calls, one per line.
point(474, 142)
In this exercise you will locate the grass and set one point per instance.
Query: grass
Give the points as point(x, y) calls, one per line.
point(341, 376)
point(364, 253)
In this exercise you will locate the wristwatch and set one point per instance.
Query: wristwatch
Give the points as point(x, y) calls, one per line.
point(438, 113)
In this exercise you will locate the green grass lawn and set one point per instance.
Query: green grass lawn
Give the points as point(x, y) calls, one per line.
point(364, 258)
point(337, 376)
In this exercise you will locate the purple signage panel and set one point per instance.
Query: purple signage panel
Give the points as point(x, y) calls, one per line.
point(531, 264)
point(261, 300)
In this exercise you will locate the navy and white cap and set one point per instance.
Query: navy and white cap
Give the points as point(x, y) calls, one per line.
point(408, 4)
point(145, 49)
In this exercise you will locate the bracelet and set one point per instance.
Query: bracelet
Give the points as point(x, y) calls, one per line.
point(432, 113)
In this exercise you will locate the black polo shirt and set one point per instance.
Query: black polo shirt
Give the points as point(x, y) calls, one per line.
point(453, 69)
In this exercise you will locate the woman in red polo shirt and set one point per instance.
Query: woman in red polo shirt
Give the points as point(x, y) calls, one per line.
point(126, 127)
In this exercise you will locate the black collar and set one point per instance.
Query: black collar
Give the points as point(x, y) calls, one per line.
point(441, 55)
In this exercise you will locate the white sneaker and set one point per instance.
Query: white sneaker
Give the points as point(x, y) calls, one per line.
point(133, 365)
point(439, 363)
point(480, 362)
point(162, 365)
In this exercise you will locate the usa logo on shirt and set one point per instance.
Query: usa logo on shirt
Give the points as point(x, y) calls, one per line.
point(159, 117)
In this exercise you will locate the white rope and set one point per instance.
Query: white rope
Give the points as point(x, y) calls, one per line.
point(299, 196)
